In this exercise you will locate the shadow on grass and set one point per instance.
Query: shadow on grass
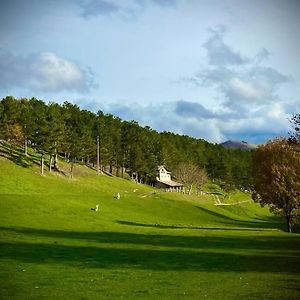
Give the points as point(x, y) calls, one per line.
point(161, 226)
point(16, 155)
point(161, 260)
point(266, 222)
point(251, 242)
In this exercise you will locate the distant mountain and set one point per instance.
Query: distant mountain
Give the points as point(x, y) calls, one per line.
point(238, 145)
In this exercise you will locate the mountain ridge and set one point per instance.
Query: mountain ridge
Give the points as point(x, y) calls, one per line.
point(243, 145)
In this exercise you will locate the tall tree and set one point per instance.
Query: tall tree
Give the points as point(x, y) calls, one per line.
point(190, 175)
point(276, 168)
point(9, 114)
point(55, 133)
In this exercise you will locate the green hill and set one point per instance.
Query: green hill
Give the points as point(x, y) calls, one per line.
point(149, 244)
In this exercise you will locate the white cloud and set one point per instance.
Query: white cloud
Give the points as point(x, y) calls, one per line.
point(246, 90)
point(53, 73)
point(43, 72)
point(243, 83)
point(218, 52)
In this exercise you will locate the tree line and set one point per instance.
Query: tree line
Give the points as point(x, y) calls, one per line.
point(65, 129)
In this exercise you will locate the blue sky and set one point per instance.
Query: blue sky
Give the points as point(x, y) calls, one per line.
point(213, 69)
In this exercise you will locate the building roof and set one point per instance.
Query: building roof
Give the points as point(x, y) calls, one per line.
point(163, 167)
point(170, 183)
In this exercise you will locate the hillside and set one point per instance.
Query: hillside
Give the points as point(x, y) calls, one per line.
point(80, 135)
point(147, 245)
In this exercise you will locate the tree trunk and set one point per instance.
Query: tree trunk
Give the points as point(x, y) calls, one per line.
point(55, 161)
point(50, 163)
point(42, 164)
point(190, 189)
point(98, 156)
point(25, 146)
point(288, 222)
point(118, 170)
point(71, 169)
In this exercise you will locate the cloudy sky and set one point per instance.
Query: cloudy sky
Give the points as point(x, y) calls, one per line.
point(212, 69)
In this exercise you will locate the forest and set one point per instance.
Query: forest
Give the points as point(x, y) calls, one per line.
point(125, 147)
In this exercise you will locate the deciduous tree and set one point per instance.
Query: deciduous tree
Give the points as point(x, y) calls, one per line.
point(276, 169)
point(190, 175)
point(14, 134)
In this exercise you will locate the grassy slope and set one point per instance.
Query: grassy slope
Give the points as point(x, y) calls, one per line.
point(148, 244)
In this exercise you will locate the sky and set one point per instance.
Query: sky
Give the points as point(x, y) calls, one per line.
point(216, 70)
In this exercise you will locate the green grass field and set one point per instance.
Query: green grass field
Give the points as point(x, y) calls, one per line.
point(147, 245)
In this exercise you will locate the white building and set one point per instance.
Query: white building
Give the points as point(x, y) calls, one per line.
point(164, 180)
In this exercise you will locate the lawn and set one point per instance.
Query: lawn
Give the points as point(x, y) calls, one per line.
point(147, 245)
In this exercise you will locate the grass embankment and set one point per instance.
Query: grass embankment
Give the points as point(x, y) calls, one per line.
point(147, 245)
